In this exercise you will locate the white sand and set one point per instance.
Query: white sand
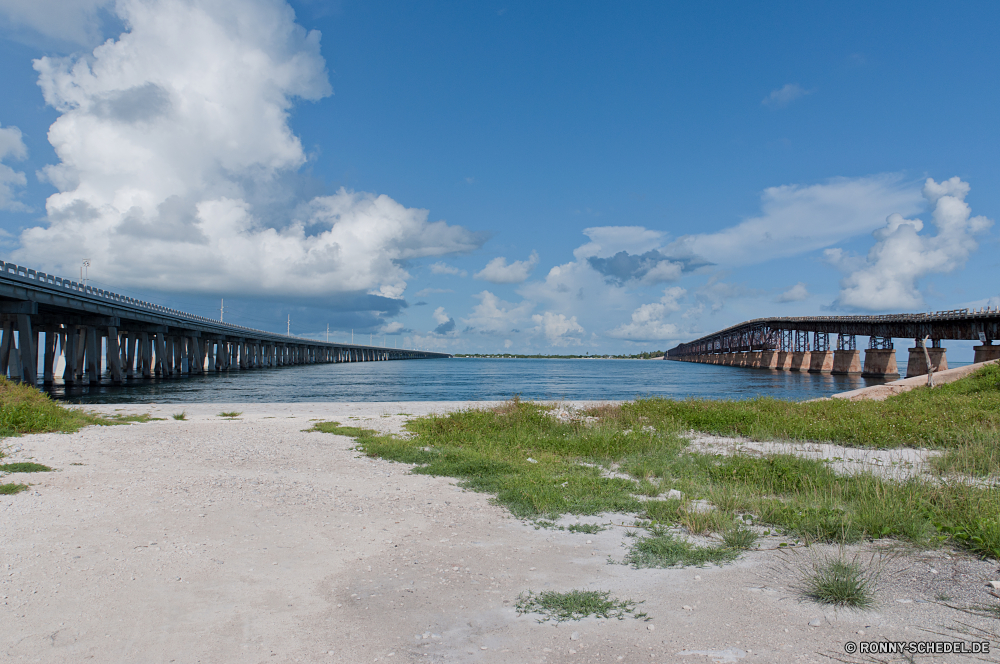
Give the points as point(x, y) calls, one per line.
point(249, 540)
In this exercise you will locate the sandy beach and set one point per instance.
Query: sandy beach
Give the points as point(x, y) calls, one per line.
point(252, 540)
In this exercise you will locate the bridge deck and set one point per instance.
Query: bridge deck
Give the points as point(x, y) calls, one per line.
point(141, 337)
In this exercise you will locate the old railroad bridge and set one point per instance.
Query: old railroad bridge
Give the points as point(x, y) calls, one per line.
point(804, 344)
point(83, 325)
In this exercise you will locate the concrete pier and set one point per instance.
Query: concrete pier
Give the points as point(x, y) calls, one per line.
point(800, 360)
point(986, 353)
point(846, 362)
point(880, 363)
point(917, 363)
point(821, 361)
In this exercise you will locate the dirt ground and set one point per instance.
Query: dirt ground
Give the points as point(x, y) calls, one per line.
point(251, 540)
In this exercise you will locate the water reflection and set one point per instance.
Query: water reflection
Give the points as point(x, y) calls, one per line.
point(470, 379)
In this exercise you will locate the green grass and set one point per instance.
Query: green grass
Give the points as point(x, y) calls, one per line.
point(665, 549)
point(10, 489)
point(541, 468)
point(575, 605)
point(231, 414)
point(24, 467)
point(24, 409)
point(944, 417)
point(589, 528)
point(180, 416)
point(837, 581)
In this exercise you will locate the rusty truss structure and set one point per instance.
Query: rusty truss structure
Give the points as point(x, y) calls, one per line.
point(813, 343)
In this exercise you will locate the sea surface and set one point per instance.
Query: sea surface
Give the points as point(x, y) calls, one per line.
point(472, 379)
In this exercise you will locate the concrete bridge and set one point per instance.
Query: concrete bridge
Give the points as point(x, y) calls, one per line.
point(804, 344)
point(93, 331)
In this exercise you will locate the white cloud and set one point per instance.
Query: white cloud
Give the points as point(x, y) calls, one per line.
point(648, 321)
point(497, 271)
point(887, 277)
point(440, 316)
point(495, 316)
point(796, 219)
point(444, 268)
point(607, 241)
point(785, 95)
point(11, 145)
point(393, 327)
point(796, 293)
point(507, 343)
point(173, 143)
point(73, 21)
point(558, 329)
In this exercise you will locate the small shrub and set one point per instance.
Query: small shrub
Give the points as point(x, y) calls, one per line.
point(179, 416)
point(232, 414)
point(9, 489)
point(740, 538)
point(664, 549)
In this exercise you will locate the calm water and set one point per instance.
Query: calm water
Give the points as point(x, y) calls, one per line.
point(470, 379)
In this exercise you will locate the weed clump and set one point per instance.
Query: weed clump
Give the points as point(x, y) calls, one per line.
point(24, 409)
point(838, 581)
point(576, 605)
point(24, 467)
point(665, 549)
point(179, 416)
point(10, 489)
point(229, 414)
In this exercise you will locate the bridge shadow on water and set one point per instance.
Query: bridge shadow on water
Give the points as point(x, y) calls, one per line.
point(468, 379)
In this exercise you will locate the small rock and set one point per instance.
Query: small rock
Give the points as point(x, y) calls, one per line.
point(651, 627)
point(483, 648)
point(697, 577)
point(687, 608)
point(994, 584)
point(575, 636)
point(674, 494)
point(589, 542)
point(530, 460)
point(905, 601)
point(861, 632)
point(933, 571)
point(815, 622)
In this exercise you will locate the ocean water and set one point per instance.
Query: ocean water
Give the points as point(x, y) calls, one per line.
point(472, 379)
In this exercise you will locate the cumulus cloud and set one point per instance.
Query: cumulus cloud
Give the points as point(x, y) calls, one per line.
point(497, 271)
point(796, 293)
point(495, 316)
point(648, 321)
point(609, 240)
point(785, 95)
point(446, 324)
point(796, 219)
point(11, 146)
point(444, 268)
point(887, 277)
point(171, 170)
point(558, 329)
point(649, 268)
point(392, 327)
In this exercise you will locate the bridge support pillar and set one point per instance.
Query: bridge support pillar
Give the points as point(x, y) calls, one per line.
point(821, 361)
point(846, 362)
point(986, 353)
point(916, 365)
point(784, 360)
point(114, 355)
point(880, 363)
point(800, 360)
point(755, 359)
point(769, 359)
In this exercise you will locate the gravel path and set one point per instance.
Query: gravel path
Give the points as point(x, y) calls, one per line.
point(250, 540)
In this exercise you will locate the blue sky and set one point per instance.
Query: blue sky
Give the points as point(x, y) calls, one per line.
point(485, 176)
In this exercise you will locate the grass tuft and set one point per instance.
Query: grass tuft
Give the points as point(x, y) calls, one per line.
point(10, 489)
point(576, 605)
point(665, 549)
point(24, 467)
point(231, 414)
point(589, 528)
point(337, 430)
point(179, 416)
point(842, 582)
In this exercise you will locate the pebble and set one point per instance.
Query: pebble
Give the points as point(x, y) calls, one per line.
point(651, 627)
point(815, 622)
point(674, 494)
point(687, 608)
point(861, 632)
point(575, 636)
point(993, 584)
